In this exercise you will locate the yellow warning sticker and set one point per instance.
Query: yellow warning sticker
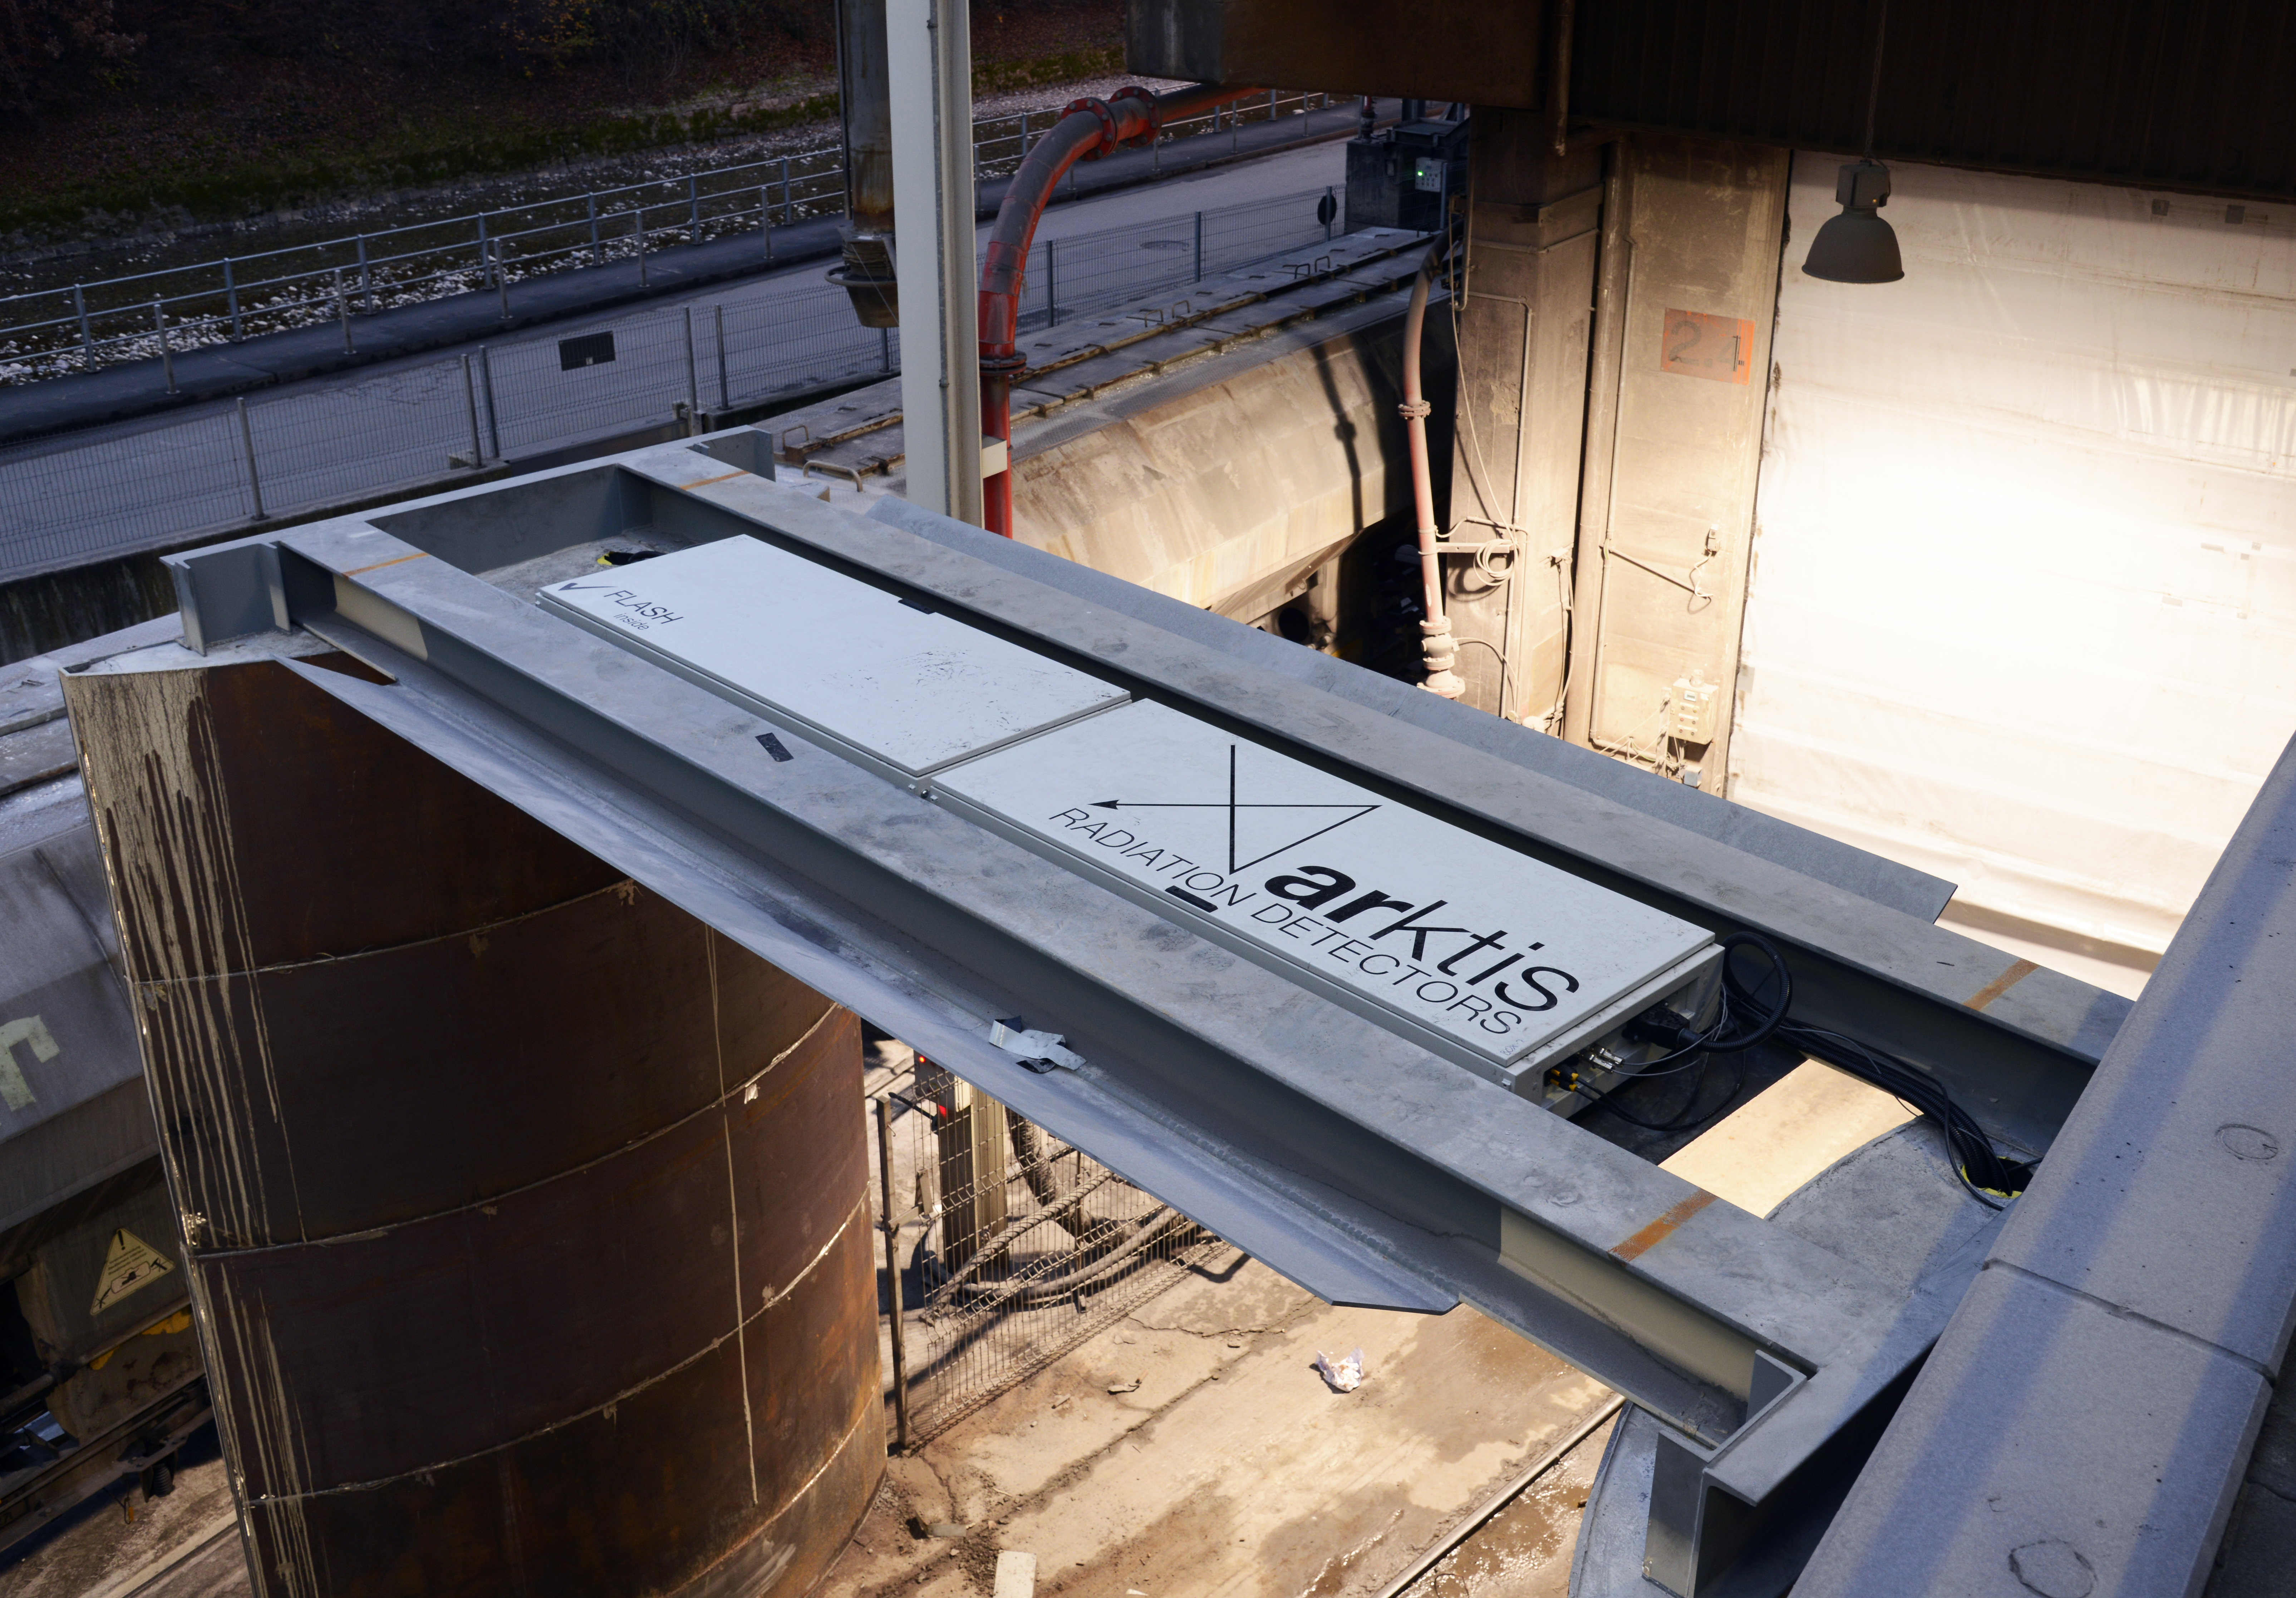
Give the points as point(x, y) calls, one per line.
point(130, 1265)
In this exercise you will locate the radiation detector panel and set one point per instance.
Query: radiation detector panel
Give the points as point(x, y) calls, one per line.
point(900, 688)
point(1484, 953)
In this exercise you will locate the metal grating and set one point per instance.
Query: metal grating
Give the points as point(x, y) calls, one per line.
point(1029, 1246)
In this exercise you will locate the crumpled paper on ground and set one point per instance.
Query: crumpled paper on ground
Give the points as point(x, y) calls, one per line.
point(1344, 1375)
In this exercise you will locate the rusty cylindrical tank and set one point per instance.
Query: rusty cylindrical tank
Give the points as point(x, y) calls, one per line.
point(526, 1217)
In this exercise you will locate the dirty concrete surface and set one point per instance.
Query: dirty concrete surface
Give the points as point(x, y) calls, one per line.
point(1233, 1469)
point(1525, 1550)
point(104, 1545)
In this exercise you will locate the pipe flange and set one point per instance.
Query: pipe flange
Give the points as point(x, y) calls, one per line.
point(1106, 113)
point(1003, 366)
point(1149, 109)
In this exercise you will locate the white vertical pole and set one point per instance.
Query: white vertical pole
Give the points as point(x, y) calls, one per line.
point(692, 371)
point(931, 65)
point(470, 399)
point(725, 389)
point(166, 354)
point(246, 443)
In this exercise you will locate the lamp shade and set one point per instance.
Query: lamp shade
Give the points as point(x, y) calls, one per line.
point(1857, 247)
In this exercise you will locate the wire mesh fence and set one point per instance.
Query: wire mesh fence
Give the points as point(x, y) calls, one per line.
point(1028, 1246)
point(400, 428)
point(1070, 277)
point(77, 327)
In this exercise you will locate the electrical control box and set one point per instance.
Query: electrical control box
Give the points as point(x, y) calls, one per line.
point(1693, 710)
point(1503, 963)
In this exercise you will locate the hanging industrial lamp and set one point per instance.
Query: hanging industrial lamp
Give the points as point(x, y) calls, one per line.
point(1857, 247)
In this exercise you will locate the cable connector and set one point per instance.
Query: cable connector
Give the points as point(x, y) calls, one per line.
point(1661, 1027)
point(1441, 651)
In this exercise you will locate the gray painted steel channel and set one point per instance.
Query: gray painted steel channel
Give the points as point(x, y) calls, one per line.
point(1367, 1169)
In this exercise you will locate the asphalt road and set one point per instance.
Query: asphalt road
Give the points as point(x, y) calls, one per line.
point(346, 436)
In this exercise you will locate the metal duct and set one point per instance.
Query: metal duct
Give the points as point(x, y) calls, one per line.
point(865, 105)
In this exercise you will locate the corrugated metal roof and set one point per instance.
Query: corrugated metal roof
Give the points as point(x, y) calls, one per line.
point(2195, 95)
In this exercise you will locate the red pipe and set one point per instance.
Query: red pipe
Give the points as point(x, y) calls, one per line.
point(1090, 130)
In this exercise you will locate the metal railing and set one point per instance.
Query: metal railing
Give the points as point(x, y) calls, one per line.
point(401, 428)
point(1023, 1246)
point(58, 332)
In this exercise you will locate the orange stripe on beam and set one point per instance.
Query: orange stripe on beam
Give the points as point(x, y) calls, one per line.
point(1642, 1242)
point(379, 565)
point(706, 481)
point(2003, 983)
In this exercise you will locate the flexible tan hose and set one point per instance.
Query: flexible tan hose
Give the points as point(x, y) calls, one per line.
point(1435, 630)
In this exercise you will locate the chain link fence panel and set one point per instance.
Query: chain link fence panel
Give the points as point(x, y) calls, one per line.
point(402, 427)
point(1028, 1246)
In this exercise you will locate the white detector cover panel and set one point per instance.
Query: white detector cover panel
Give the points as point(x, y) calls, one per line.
point(798, 642)
point(1491, 950)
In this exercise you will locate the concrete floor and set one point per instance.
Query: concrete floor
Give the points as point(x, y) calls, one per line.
point(1232, 1469)
point(1524, 1551)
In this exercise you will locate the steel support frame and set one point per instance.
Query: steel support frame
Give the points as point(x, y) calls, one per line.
point(929, 64)
point(1365, 1170)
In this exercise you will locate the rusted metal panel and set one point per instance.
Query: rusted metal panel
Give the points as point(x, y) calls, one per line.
point(813, 1376)
point(619, 967)
point(793, 1197)
point(631, 1500)
point(364, 843)
point(529, 1231)
point(421, 1344)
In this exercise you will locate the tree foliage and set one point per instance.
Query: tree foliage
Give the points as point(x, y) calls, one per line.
point(58, 56)
point(44, 44)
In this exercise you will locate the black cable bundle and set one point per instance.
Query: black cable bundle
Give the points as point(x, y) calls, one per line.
point(1697, 1049)
point(1980, 1168)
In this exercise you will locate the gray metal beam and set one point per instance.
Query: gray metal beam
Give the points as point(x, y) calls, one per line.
point(1749, 831)
point(2015, 1042)
point(1334, 1150)
point(2082, 1425)
point(1350, 1136)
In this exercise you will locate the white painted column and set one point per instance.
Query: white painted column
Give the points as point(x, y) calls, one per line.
point(930, 61)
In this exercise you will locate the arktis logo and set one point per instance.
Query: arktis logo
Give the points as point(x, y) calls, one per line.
point(1313, 887)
